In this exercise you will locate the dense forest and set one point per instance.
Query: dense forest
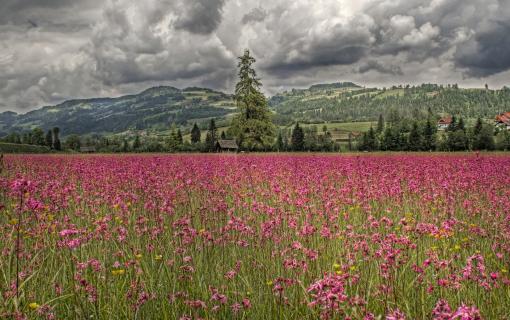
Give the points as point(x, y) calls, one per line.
point(359, 104)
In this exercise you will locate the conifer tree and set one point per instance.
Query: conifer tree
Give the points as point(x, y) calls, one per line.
point(460, 125)
point(380, 124)
point(453, 125)
point(136, 143)
point(56, 139)
point(179, 137)
point(415, 138)
point(478, 127)
point(279, 142)
point(49, 139)
point(298, 138)
point(252, 126)
point(429, 136)
point(211, 137)
point(371, 140)
point(195, 134)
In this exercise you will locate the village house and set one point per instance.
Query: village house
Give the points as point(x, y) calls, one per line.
point(503, 120)
point(226, 146)
point(444, 122)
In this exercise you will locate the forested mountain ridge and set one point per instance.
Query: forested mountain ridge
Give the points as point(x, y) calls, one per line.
point(160, 107)
point(152, 108)
point(354, 103)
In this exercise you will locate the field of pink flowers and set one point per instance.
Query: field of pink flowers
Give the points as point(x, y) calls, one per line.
point(255, 237)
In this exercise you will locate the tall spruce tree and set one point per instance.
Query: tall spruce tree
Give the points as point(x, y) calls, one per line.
point(371, 140)
point(279, 142)
point(484, 138)
point(478, 127)
point(56, 139)
point(298, 138)
point(211, 137)
point(453, 125)
point(429, 136)
point(461, 125)
point(136, 143)
point(49, 139)
point(195, 134)
point(252, 126)
point(380, 124)
point(179, 138)
point(415, 139)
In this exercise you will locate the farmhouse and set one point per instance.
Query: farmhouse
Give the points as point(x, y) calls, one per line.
point(503, 120)
point(444, 122)
point(226, 146)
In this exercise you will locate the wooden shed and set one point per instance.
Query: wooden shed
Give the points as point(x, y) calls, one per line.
point(226, 146)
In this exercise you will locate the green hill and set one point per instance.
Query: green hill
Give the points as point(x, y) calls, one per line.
point(153, 108)
point(354, 103)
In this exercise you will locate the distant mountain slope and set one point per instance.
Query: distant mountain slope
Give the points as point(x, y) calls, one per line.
point(349, 102)
point(159, 107)
point(154, 107)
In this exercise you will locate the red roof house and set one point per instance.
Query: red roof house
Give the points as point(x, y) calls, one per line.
point(503, 119)
point(444, 122)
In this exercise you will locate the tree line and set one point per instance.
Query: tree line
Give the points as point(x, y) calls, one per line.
point(37, 137)
point(412, 135)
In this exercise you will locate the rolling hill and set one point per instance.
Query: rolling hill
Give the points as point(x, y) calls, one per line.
point(158, 107)
point(347, 102)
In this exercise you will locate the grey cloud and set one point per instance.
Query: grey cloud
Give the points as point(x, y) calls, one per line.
point(475, 30)
point(488, 52)
point(255, 15)
point(311, 42)
point(201, 16)
point(87, 48)
point(379, 67)
point(128, 47)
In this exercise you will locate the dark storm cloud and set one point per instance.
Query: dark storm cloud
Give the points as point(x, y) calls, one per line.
point(32, 12)
point(488, 52)
point(379, 67)
point(201, 16)
point(52, 50)
point(476, 31)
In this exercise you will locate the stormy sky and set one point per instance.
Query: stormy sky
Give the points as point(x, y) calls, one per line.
point(53, 50)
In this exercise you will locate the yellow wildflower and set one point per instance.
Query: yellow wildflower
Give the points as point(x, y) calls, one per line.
point(138, 256)
point(118, 272)
point(33, 305)
point(158, 257)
